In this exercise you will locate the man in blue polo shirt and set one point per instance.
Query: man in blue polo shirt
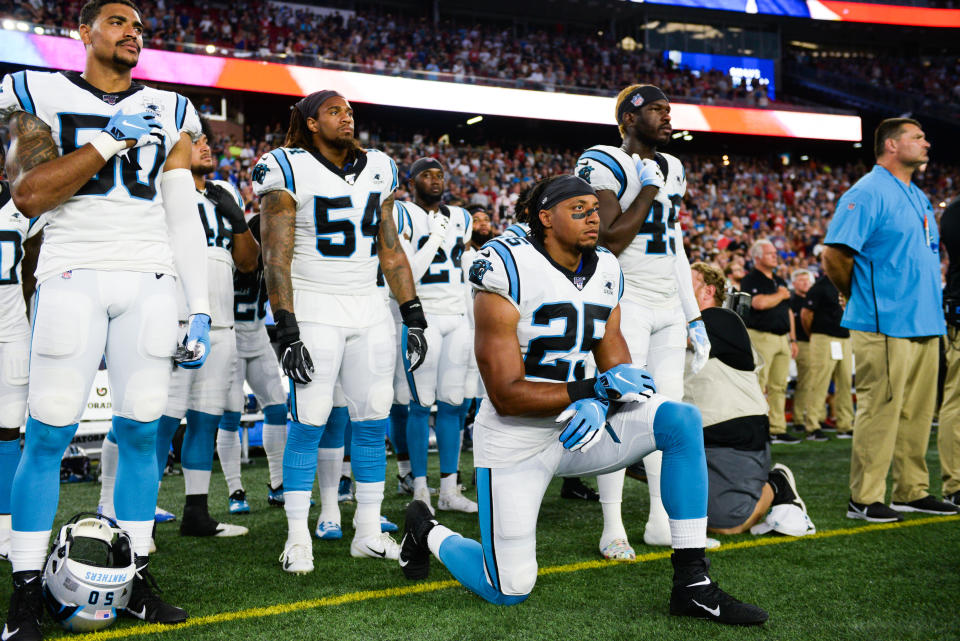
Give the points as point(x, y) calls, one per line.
point(882, 253)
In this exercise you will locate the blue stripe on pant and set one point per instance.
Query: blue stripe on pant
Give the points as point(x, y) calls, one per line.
point(466, 559)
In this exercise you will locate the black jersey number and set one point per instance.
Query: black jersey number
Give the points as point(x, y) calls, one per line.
point(10, 254)
point(440, 276)
point(249, 296)
point(131, 170)
point(657, 224)
point(213, 226)
point(565, 342)
point(369, 225)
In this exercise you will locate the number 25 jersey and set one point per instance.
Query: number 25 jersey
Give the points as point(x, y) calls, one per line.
point(649, 260)
point(562, 315)
point(116, 220)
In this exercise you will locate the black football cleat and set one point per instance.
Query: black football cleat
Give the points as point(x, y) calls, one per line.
point(696, 595)
point(144, 603)
point(414, 553)
point(26, 604)
point(574, 488)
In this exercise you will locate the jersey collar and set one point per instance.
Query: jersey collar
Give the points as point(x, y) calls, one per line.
point(349, 173)
point(109, 98)
point(588, 264)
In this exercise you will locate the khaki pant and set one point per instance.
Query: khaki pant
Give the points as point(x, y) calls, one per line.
point(896, 392)
point(948, 434)
point(801, 393)
point(774, 349)
point(823, 368)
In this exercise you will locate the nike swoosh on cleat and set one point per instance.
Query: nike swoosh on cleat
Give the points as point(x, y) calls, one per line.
point(381, 554)
point(7, 634)
point(142, 614)
point(403, 563)
point(714, 611)
point(705, 581)
point(25, 581)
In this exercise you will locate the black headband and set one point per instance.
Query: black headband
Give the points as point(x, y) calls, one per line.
point(563, 188)
point(423, 164)
point(638, 98)
point(308, 105)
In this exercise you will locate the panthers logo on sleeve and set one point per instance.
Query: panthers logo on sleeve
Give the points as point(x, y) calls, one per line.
point(259, 172)
point(479, 267)
point(584, 172)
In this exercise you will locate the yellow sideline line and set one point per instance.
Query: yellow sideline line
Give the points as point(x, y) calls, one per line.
point(433, 586)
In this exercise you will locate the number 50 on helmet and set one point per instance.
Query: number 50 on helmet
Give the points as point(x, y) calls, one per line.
point(89, 573)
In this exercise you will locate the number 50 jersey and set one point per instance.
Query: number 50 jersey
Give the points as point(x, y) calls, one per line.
point(648, 261)
point(338, 216)
point(562, 315)
point(116, 220)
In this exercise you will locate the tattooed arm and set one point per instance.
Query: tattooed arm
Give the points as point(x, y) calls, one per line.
point(393, 260)
point(278, 213)
point(40, 178)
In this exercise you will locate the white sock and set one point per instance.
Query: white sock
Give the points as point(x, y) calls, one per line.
point(196, 481)
point(610, 488)
point(419, 483)
point(109, 456)
point(328, 480)
point(229, 450)
point(652, 462)
point(297, 507)
point(448, 484)
point(367, 517)
point(4, 523)
point(438, 534)
point(28, 550)
point(403, 467)
point(274, 440)
point(688, 533)
point(346, 470)
point(140, 534)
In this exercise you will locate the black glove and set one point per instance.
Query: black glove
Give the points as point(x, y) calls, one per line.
point(414, 324)
point(294, 357)
point(226, 206)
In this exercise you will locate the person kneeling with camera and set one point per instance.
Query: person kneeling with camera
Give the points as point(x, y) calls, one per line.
point(742, 486)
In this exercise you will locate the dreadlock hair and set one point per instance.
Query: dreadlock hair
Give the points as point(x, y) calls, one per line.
point(299, 135)
point(527, 209)
point(206, 130)
point(91, 11)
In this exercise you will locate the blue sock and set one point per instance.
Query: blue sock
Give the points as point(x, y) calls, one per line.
point(418, 438)
point(275, 414)
point(300, 457)
point(368, 451)
point(111, 436)
point(335, 429)
point(678, 431)
point(464, 410)
point(9, 459)
point(135, 492)
point(348, 439)
point(448, 436)
point(465, 558)
point(166, 428)
point(199, 441)
point(36, 484)
point(230, 421)
point(398, 427)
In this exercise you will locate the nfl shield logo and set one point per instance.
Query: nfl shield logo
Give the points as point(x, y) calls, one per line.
point(637, 100)
point(578, 281)
point(109, 99)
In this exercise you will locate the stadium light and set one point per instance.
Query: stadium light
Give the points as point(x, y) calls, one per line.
point(8, 24)
point(857, 145)
point(211, 49)
point(474, 120)
point(688, 137)
point(23, 26)
point(804, 158)
point(677, 134)
point(38, 31)
point(74, 34)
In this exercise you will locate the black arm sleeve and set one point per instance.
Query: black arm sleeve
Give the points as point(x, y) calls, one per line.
point(728, 336)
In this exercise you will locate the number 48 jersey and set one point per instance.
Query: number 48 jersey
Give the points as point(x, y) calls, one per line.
point(116, 220)
point(562, 315)
point(649, 260)
point(338, 216)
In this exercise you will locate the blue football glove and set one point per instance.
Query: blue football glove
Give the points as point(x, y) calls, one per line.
point(193, 351)
point(143, 128)
point(625, 383)
point(649, 172)
point(697, 333)
point(584, 420)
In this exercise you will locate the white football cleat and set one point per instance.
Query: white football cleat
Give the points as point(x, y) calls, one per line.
point(297, 558)
point(226, 529)
point(456, 502)
point(153, 545)
point(657, 532)
point(618, 550)
point(423, 494)
point(381, 546)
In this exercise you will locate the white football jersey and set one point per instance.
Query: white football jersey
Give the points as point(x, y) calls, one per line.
point(115, 221)
point(562, 315)
point(647, 262)
point(517, 230)
point(469, 255)
point(440, 289)
point(14, 228)
point(220, 265)
point(335, 237)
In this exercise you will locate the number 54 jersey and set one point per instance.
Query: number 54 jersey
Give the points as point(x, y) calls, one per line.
point(335, 235)
point(648, 261)
point(562, 315)
point(116, 220)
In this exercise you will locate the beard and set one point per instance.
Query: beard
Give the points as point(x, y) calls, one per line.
point(587, 246)
point(126, 63)
point(430, 199)
point(345, 142)
point(479, 240)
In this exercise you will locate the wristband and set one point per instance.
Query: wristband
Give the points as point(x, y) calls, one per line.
point(107, 146)
point(412, 313)
point(287, 329)
point(582, 389)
